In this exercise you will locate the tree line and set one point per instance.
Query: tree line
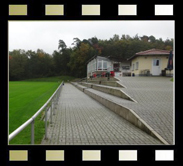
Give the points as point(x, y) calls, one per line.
point(73, 60)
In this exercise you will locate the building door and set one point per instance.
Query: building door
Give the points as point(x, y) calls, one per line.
point(156, 69)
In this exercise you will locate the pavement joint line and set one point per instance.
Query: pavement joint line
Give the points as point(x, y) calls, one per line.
point(167, 126)
point(154, 133)
point(84, 121)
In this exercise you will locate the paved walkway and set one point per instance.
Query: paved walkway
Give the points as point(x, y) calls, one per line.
point(80, 120)
point(155, 102)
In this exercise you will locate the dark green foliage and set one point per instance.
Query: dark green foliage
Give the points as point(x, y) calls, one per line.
point(73, 61)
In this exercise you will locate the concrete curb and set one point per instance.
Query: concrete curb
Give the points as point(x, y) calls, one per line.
point(103, 79)
point(80, 87)
point(125, 88)
point(128, 96)
point(124, 112)
point(108, 83)
point(109, 90)
point(120, 84)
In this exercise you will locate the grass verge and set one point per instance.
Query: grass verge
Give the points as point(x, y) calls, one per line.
point(25, 99)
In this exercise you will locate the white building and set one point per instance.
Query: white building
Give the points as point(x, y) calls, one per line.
point(99, 65)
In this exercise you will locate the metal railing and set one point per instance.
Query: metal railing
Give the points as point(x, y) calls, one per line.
point(49, 105)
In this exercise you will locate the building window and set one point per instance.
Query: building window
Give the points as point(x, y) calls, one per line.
point(137, 65)
point(99, 65)
point(126, 67)
point(94, 66)
point(104, 65)
point(155, 62)
point(133, 66)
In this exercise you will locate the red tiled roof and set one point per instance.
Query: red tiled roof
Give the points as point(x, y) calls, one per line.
point(151, 52)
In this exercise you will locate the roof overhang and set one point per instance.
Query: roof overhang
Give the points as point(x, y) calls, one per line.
point(152, 52)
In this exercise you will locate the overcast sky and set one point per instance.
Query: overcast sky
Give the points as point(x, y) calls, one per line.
point(31, 35)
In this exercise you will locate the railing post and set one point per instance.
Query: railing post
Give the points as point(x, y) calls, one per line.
point(32, 132)
point(46, 123)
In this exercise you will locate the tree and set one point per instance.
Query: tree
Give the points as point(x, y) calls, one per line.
point(32, 64)
point(152, 39)
point(93, 41)
point(17, 63)
point(73, 61)
point(61, 45)
point(145, 38)
point(123, 37)
point(115, 38)
point(60, 60)
point(76, 42)
point(136, 37)
point(78, 59)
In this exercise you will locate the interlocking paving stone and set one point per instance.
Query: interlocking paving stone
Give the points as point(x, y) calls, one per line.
point(159, 116)
point(80, 120)
point(155, 102)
